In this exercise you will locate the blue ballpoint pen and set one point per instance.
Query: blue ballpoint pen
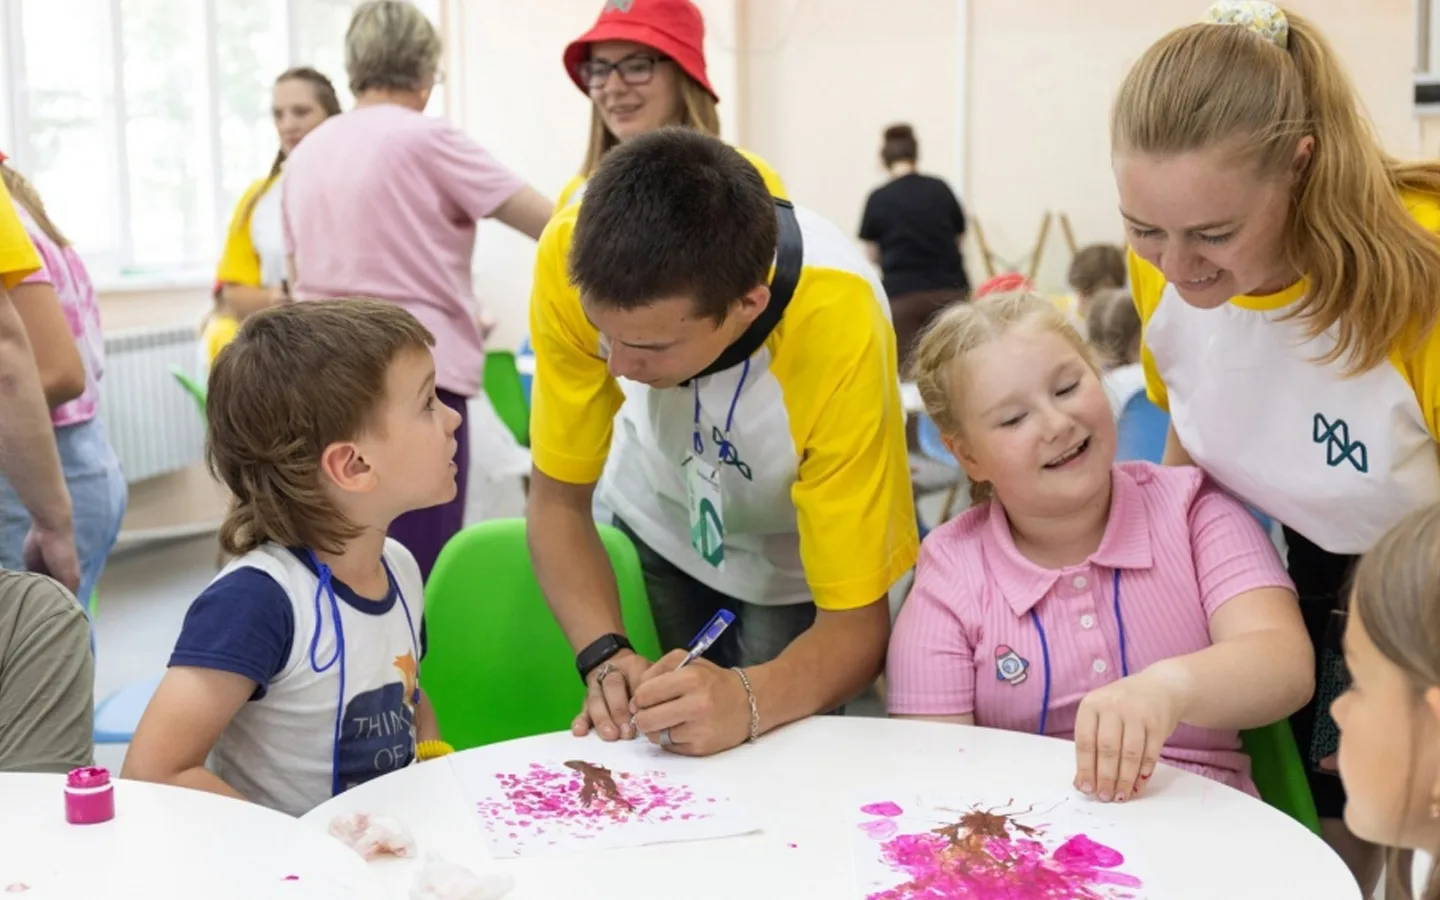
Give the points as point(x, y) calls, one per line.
point(707, 636)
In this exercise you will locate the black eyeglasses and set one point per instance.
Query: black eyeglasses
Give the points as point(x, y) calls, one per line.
point(637, 68)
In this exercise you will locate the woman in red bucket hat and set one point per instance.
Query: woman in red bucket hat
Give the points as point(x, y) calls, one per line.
point(643, 67)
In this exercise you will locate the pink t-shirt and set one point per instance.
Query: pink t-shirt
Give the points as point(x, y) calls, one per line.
point(382, 202)
point(966, 641)
point(62, 269)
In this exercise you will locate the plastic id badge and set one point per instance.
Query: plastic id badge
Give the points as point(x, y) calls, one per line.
point(707, 523)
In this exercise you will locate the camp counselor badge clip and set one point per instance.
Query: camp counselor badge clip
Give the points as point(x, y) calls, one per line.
point(707, 527)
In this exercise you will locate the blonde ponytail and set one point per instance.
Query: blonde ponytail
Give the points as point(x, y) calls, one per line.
point(1374, 272)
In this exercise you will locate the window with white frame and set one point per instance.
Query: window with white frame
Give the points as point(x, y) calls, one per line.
point(1427, 54)
point(142, 121)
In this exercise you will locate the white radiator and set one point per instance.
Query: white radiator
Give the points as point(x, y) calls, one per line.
point(153, 422)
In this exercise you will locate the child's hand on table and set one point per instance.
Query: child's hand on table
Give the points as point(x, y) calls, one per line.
point(1119, 731)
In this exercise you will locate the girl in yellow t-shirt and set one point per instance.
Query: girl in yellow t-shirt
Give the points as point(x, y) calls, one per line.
point(252, 268)
point(1287, 272)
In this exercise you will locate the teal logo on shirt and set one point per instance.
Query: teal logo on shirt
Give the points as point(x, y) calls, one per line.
point(1338, 446)
point(618, 5)
point(730, 456)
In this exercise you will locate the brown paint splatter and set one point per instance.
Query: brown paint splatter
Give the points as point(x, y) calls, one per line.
point(967, 837)
point(597, 779)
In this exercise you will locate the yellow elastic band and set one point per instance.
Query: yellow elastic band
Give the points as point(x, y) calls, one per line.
point(1264, 18)
point(432, 750)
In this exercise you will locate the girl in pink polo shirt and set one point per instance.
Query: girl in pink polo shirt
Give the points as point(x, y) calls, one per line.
point(1135, 608)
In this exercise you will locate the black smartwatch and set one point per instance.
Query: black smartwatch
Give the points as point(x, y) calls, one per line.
point(598, 652)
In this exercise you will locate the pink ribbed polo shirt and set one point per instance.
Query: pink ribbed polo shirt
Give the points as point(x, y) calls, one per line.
point(966, 641)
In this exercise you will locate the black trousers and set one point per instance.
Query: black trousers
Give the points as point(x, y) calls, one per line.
point(1322, 580)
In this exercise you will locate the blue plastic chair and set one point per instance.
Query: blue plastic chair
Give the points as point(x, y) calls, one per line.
point(1143, 427)
point(117, 715)
point(933, 448)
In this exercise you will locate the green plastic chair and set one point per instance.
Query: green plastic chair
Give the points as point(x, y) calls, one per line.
point(498, 667)
point(1279, 772)
point(507, 394)
point(196, 390)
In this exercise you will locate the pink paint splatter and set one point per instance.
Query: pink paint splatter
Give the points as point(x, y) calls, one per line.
point(993, 856)
point(580, 800)
point(17, 888)
point(291, 878)
point(880, 829)
point(793, 846)
point(882, 809)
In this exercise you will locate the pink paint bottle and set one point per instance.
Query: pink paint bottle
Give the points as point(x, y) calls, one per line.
point(89, 796)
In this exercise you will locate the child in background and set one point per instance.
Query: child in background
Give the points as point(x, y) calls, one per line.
point(1112, 325)
point(1096, 268)
point(1389, 718)
point(1130, 605)
point(297, 670)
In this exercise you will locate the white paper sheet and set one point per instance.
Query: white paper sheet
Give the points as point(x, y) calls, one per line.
point(988, 845)
point(564, 795)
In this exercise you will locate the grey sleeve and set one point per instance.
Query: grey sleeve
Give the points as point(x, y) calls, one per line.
point(47, 677)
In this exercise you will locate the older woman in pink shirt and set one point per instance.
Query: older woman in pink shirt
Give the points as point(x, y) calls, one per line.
point(1136, 609)
point(383, 202)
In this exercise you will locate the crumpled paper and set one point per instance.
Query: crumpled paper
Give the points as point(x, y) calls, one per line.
point(441, 879)
point(370, 836)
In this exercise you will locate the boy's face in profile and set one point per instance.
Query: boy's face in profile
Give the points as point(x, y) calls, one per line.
point(411, 448)
point(667, 342)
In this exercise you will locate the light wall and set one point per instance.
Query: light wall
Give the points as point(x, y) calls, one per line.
point(1042, 77)
point(809, 84)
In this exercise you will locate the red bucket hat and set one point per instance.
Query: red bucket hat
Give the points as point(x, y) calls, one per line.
point(673, 27)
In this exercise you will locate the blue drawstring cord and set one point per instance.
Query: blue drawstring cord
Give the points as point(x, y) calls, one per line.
point(1045, 652)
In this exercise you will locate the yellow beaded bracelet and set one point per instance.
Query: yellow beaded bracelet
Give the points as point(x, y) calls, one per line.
point(426, 750)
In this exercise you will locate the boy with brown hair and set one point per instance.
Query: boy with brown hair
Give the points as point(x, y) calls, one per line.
point(296, 673)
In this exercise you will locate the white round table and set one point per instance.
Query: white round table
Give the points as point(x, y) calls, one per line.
point(170, 843)
point(802, 784)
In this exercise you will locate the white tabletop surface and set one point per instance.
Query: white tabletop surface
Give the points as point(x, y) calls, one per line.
point(167, 843)
point(801, 783)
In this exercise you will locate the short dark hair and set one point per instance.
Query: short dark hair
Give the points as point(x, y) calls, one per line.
point(298, 378)
point(673, 213)
point(900, 145)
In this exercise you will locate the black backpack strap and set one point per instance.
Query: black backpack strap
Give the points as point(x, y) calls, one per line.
point(789, 259)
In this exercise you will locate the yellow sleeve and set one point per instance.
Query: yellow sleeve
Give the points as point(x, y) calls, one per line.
point(1147, 286)
point(239, 262)
point(772, 179)
point(1422, 368)
point(574, 397)
point(852, 495)
point(568, 192)
point(18, 257)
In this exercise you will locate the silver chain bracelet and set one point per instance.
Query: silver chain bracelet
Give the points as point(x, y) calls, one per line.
point(754, 709)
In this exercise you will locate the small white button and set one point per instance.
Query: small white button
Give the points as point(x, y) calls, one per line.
point(1087, 621)
point(1099, 667)
point(1079, 581)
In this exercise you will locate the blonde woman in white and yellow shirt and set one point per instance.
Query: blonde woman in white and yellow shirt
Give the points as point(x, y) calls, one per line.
point(1287, 272)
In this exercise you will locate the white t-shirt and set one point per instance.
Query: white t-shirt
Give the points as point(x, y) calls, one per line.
point(1122, 383)
point(259, 618)
point(268, 236)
